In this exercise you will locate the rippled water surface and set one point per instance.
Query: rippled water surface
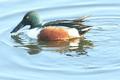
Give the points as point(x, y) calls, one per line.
point(95, 57)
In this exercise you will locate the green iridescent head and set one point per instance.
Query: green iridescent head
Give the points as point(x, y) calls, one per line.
point(31, 18)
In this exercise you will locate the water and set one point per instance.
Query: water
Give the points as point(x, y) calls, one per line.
point(95, 57)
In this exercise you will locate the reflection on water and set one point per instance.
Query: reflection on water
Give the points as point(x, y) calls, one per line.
point(79, 46)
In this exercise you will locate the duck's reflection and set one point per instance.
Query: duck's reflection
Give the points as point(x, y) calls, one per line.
point(72, 47)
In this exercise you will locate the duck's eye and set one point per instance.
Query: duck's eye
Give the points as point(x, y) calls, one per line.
point(27, 17)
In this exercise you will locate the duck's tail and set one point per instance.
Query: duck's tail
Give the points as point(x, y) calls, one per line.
point(80, 26)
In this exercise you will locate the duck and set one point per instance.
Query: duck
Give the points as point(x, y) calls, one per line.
point(57, 30)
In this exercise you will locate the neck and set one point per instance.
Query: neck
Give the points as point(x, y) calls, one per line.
point(36, 26)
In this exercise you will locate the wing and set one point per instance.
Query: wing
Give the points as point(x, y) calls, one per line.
point(76, 23)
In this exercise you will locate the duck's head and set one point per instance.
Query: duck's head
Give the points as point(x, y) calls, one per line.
point(31, 18)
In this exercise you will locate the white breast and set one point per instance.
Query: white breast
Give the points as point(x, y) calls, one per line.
point(32, 33)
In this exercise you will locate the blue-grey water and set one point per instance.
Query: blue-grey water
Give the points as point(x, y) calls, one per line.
point(97, 56)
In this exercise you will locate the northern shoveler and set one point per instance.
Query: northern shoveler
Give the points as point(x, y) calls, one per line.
point(54, 30)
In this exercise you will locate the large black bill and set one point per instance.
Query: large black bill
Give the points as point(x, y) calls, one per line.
point(19, 26)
